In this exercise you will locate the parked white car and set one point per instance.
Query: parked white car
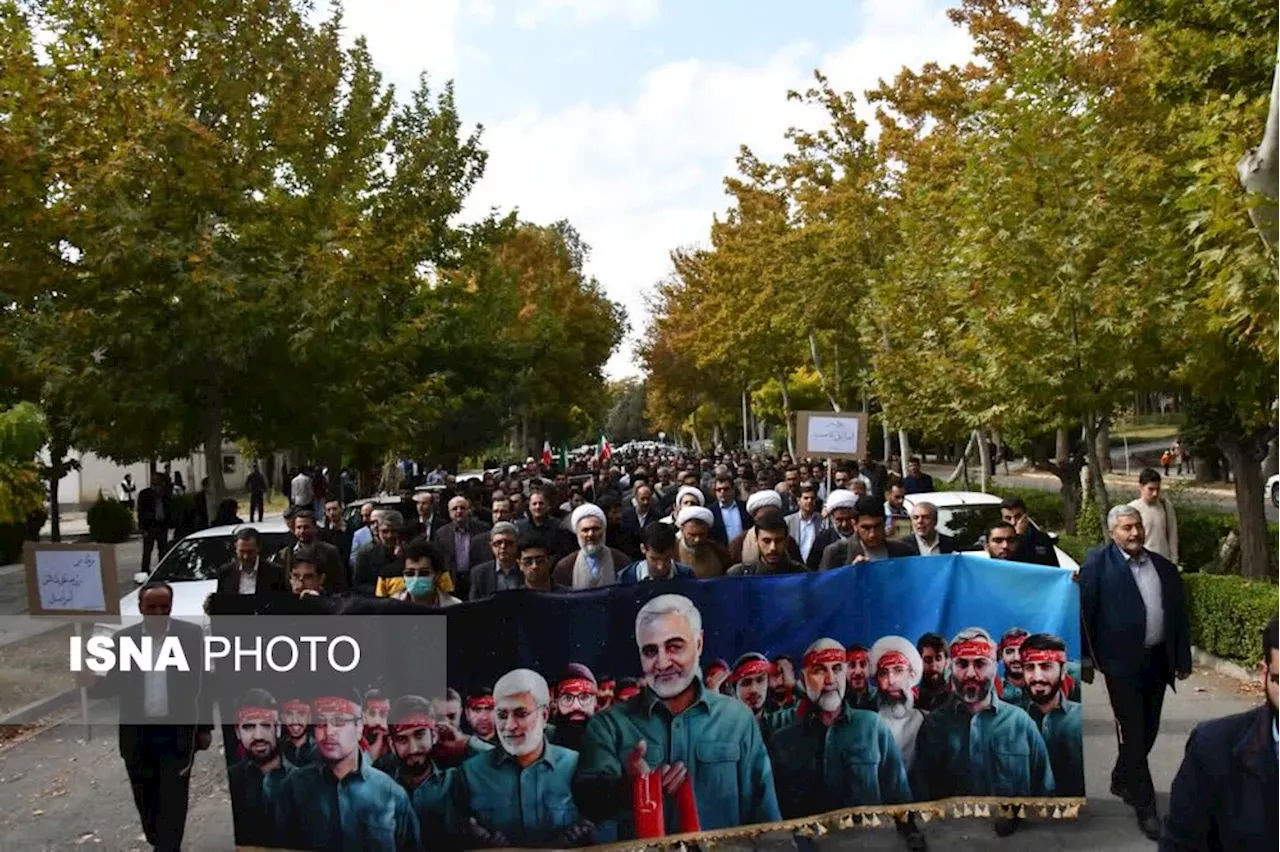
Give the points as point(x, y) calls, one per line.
point(1273, 490)
point(968, 515)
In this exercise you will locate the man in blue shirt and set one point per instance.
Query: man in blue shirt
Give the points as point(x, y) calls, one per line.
point(1044, 664)
point(256, 778)
point(412, 736)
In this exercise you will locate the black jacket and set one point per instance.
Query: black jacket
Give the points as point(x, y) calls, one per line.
point(946, 544)
point(1114, 617)
point(1224, 796)
point(843, 552)
point(271, 578)
point(336, 577)
point(148, 499)
point(718, 530)
point(1036, 548)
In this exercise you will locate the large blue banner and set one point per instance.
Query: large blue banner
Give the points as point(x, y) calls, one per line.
point(669, 708)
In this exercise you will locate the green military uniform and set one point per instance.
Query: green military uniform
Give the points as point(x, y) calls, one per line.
point(529, 806)
point(431, 803)
point(853, 762)
point(366, 809)
point(252, 801)
point(1010, 693)
point(1063, 732)
point(863, 701)
point(717, 738)
point(998, 752)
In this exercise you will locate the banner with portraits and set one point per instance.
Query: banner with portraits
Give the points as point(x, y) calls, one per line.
point(642, 714)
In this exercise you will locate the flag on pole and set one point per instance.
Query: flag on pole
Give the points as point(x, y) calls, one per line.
point(564, 457)
point(604, 452)
point(546, 455)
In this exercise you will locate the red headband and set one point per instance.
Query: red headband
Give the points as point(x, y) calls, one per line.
point(336, 704)
point(295, 705)
point(1043, 655)
point(1013, 642)
point(483, 702)
point(576, 686)
point(752, 668)
point(627, 693)
point(972, 648)
point(253, 715)
point(892, 658)
point(413, 722)
point(826, 655)
point(855, 655)
point(378, 704)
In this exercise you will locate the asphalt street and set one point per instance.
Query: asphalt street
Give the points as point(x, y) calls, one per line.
point(58, 792)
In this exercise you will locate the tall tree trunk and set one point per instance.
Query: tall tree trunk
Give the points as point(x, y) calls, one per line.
point(1096, 482)
point(984, 458)
point(745, 419)
point(1244, 455)
point(786, 413)
point(962, 466)
point(57, 469)
point(1062, 446)
point(1104, 445)
point(817, 367)
point(904, 451)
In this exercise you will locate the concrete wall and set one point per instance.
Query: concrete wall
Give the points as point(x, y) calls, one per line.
point(79, 488)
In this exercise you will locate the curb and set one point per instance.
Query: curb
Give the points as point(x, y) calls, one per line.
point(40, 708)
point(1221, 666)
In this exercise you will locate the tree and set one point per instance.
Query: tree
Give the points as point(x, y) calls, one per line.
point(626, 419)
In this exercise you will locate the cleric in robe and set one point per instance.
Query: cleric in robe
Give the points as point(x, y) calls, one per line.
point(832, 756)
point(412, 728)
point(975, 744)
point(897, 667)
point(1044, 665)
point(256, 778)
point(520, 793)
point(342, 801)
point(593, 564)
point(677, 726)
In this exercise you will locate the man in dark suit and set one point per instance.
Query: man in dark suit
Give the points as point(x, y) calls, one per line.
point(1034, 545)
point(925, 540)
point(729, 518)
point(428, 518)
point(249, 573)
point(165, 718)
point(502, 572)
point(463, 542)
point(640, 511)
point(155, 519)
point(1224, 796)
point(1136, 630)
point(539, 520)
point(307, 535)
point(868, 543)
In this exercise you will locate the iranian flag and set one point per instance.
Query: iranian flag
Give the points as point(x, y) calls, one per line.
point(546, 455)
point(604, 452)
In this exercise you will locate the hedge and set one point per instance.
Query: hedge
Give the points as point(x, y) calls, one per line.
point(1228, 614)
point(110, 521)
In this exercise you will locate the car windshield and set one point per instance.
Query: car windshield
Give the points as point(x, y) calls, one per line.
point(968, 524)
point(200, 558)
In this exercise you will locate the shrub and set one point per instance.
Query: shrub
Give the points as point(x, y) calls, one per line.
point(1228, 614)
point(11, 538)
point(110, 521)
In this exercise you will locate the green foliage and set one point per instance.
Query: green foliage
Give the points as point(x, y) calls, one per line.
point(110, 521)
point(626, 418)
point(1228, 615)
point(22, 432)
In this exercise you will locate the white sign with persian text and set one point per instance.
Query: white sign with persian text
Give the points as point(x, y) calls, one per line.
point(70, 580)
point(833, 435)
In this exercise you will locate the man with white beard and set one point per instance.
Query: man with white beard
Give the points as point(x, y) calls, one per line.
point(680, 729)
point(519, 794)
point(594, 564)
point(898, 667)
point(833, 756)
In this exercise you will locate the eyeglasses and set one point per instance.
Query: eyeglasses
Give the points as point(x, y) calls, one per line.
point(583, 699)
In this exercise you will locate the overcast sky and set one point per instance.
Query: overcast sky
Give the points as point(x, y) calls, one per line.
point(624, 116)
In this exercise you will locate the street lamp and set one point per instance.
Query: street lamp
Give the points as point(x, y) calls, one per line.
point(662, 437)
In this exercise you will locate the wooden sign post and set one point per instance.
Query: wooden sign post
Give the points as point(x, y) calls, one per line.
point(77, 581)
point(831, 434)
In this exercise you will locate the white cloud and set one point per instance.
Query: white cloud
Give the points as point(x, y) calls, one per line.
point(531, 13)
point(407, 37)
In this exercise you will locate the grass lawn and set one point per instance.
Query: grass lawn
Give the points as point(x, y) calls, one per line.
point(1153, 432)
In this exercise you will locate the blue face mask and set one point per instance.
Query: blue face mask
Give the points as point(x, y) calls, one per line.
point(420, 587)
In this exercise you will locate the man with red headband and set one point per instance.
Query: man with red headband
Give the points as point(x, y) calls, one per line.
point(935, 686)
point(680, 730)
point(604, 694)
point(782, 684)
point(1044, 664)
point(413, 729)
point(520, 794)
point(750, 679)
point(343, 801)
point(832, 756)
point(975, 744)
point(897, 666)
point(453, 745)
point(373, 735)
point(297, 747)
point(257, 777)
point(861, 691)
point(1012, 686)
point(479, 712)
point(717, 673)
point(576, 697)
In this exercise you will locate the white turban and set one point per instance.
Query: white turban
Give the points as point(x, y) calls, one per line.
point(897, 645)
point(696, 493)
point(841, 498)
point(695, 513)
point(586, 510)
point(761, 499)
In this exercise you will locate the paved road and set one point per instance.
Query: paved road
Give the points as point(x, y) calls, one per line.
point(60, 793)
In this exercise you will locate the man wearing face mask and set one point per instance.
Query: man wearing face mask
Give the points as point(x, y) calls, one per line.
point(520, 794)
point(255, 779)
point(935, 688)
point(697, 549)
point(1224, 796)
point(594, 564)
point(975, 744)
point(1044, 662)
point(679, 729)
point(413, 731)
point(423, 577)
point(575, 705)
point(831, 756)
point(897, 667)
